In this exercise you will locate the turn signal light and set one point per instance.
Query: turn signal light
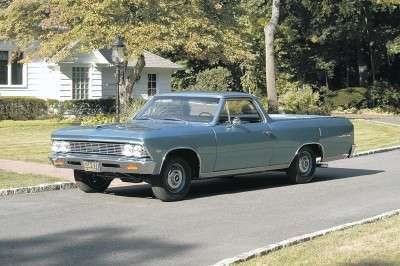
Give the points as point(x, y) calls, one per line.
point(58, 162)
point(132, 166)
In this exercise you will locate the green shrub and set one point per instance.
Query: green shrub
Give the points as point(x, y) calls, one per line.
point(347, 98)
point(385, 96)
point(214, 79)
point(302, 101)
point(22, 108)
point(98, 120)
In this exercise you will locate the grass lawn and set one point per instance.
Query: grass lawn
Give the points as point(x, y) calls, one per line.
point(30, 140)
point(27, 140)
point(14, 180)
point(371, 244)
point(371, 135)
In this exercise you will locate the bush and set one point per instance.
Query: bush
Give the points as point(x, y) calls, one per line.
point(82, 108)
point(385, 96)
point(302, 101)
point(214, 79)
point(98, 120)
point(348, 98)
point(22, 108)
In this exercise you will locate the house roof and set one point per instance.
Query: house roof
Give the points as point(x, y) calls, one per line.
point(152, 60)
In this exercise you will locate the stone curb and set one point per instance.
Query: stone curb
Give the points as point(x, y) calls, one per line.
point(38, 188)
point(369, 152)
point(300, 239)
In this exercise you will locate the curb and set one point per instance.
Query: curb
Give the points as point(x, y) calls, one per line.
point(374, 151)
point(38, 188)
point(300, 239)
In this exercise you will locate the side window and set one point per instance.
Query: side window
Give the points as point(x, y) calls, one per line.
point(244, 109)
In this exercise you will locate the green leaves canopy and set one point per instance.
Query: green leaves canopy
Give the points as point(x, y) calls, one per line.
point(195, 29)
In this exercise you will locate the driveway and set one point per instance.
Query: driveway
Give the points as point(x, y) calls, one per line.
point(221, 218)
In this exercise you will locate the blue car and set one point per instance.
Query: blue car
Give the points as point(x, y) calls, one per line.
point(180, 137)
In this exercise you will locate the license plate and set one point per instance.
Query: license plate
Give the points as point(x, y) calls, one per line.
point(91, 166)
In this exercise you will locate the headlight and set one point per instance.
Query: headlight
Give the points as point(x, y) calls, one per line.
point(61, 146)
point(134, 150)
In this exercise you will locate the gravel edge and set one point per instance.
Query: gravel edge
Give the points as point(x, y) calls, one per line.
point(38, 188)
point(303, 238)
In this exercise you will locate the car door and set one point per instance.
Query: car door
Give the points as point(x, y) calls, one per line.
point(242, 136)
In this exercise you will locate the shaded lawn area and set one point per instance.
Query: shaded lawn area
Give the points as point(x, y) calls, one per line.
point(15, 180)
point(27, 140)
point(371, 244)
point(370, 135)
point(30, 140)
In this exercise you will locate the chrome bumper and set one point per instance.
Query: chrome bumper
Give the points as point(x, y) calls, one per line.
point(107, 164)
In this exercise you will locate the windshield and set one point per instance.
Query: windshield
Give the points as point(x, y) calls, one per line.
point(180, 108)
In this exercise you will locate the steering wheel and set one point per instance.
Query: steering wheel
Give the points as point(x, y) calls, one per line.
point(205, 114)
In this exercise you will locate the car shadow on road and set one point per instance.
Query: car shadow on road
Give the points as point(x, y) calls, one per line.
point(92, 246)
point(229, 185)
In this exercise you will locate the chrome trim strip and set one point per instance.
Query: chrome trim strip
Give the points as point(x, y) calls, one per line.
point(244, 171)
point(116, 141)
point(158, 171)
point(310, 143)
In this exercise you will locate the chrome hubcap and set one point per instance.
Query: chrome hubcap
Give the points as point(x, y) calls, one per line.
point(304, 163)
point(175, 177)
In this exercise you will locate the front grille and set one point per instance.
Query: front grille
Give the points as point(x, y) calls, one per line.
point(96, 148)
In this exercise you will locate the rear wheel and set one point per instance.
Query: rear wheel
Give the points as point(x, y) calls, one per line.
point(303, 166)
point(174, 181)
point(91, 182)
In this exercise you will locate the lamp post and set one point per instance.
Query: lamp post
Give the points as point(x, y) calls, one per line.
point(118, 58)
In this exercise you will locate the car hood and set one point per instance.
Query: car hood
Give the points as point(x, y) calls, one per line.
point(132, 131)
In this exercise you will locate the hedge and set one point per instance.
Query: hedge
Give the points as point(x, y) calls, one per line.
point(22, 108)
point(82, 108)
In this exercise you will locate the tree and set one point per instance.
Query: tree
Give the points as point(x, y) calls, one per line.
point(197, 30)
point(270, 69)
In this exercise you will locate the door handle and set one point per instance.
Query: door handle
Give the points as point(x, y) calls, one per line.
point(267, 133)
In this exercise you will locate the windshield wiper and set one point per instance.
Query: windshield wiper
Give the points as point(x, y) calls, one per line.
point(174, 119)
point(144, 118)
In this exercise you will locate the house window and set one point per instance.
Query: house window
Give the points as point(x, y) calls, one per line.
point(151, 84)
point(11, 71)
point(3, 67)
point(16, 70)
point(80, 83)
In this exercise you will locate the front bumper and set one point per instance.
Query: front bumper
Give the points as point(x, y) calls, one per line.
point(107, 164)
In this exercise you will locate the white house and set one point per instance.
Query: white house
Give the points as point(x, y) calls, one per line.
point(86, 76)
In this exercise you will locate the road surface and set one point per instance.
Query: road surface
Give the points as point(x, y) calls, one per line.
point(221, 217)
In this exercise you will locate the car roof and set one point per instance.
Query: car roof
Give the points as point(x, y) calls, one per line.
point(207, 94)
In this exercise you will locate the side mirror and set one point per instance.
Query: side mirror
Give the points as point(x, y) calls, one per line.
point(236, 121)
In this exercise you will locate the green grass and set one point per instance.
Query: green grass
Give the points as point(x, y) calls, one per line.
point(371, 135)
point(371, 244)
point(15, 180)
point(30, 140)
point(27, 140)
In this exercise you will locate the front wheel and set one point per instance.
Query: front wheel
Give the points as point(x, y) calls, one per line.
point(303, 166)
point(91, 182)
point(174, 181)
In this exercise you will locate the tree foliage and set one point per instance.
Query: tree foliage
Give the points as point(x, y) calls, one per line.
point(320, 44)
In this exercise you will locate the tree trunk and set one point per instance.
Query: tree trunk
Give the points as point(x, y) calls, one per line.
point(363, 70)
point(270, 70)
point(127, 81)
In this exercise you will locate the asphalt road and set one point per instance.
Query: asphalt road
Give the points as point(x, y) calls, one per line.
point(221, 218)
